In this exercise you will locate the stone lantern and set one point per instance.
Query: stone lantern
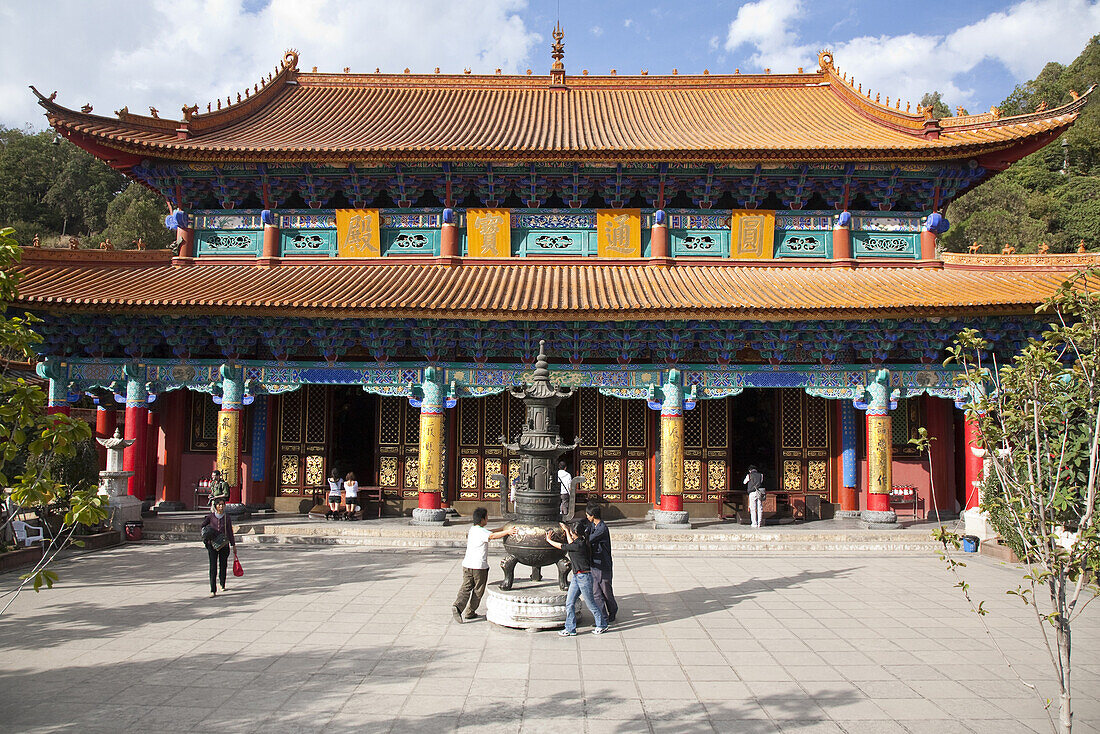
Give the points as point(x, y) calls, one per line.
point(123, 507)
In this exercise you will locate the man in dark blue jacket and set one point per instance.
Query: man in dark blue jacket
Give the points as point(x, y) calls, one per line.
point(600, 541)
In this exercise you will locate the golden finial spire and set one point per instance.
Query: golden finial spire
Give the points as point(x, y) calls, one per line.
point(557, 52)
point(557, 48)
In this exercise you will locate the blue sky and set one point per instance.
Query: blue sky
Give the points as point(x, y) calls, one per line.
point(167, 53)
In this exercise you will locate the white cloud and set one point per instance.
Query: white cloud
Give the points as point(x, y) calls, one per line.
point(766, 26)
point(628, 22)
point(1023, 38)
point(596, 31)
point(167, 53)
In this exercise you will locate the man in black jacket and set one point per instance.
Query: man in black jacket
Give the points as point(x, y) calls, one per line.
point(600, 540)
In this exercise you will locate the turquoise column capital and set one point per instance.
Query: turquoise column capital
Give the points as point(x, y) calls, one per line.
point(879, 394)
point(232, 387)
point(137, 390)
point(58, 393)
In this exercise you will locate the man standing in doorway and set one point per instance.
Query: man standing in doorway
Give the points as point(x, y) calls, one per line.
point(475, 566)
point(754, 485)
point(599, 538)
point(565, 480)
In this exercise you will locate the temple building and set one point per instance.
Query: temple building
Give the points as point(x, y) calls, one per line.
point(731, 269)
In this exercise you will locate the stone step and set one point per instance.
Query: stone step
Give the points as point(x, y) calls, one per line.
point(636, 540)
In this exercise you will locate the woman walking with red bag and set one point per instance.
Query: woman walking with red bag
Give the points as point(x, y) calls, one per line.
point(217, 536)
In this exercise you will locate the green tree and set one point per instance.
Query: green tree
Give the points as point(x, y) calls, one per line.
point(998, 213)
point(935, 101)
point(1047, 196)
point(27, 431)
point(1038, 419)
point(82, 190)
point(137, 213)
point(49, 186)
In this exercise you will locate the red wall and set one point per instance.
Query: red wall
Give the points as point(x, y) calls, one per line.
point(914, 472)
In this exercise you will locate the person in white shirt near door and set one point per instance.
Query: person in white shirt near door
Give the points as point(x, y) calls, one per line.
point(565, 480)
point(754, 484)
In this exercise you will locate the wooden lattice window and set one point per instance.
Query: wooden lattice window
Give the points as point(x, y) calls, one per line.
point(615, 446)
point(482, 421)
point(203, 430)
point(304, 416)
point(706, 451)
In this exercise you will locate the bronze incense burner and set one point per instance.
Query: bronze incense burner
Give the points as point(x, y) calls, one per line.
point(538, 498)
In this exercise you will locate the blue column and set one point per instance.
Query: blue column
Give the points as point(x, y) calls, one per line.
point(848, 499)
point(259, 438)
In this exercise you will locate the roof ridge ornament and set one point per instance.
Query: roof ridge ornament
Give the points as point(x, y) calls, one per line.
point(557, 53)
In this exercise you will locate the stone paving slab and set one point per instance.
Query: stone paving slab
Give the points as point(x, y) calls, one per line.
point(319, 638)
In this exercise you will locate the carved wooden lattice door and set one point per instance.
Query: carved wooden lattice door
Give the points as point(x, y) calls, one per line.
point(398, 447)
point(303, 439)
point(706, 451)
point(804, 443)
point(482, 421)
point(615, 446)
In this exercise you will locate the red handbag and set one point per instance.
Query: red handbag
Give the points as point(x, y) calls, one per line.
point(238, 569)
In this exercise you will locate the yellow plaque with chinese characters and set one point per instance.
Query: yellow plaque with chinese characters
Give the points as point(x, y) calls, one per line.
point(752, 234)
point(488, 233)
point(619, 232)
point(357, 233)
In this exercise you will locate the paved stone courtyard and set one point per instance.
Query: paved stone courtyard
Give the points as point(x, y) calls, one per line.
point(352, 639)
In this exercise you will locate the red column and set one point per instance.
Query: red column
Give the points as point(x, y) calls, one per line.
point(134, 455)
point(270, 254)
point(106, 418)
point(173, 431)
point(658, 242)
point(185, 238)
point(448, 240)
point(927, 245)
point(974, 458)
point(842, 243)
point(152, 429)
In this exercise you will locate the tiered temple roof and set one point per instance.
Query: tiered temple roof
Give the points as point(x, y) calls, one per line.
point(714, 118)
point(299, 119)
point(505, 291)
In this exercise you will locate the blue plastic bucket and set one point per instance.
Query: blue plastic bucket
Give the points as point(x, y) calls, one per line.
point(970, 543)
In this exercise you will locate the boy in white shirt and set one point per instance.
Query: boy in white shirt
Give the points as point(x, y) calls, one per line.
point(475, 566)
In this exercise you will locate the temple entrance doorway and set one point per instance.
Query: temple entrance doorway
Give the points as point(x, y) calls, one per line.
point(354, 433)
point(752, 436)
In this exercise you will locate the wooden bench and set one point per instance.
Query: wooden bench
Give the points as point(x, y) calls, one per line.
point(775, 504)
point(905, 496)
point(371, 494)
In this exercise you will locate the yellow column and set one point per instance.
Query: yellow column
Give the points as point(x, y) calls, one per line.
point(880, 461)
point(431, 460)
point(229, 441)
point(672, 462)
point(880, 449)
